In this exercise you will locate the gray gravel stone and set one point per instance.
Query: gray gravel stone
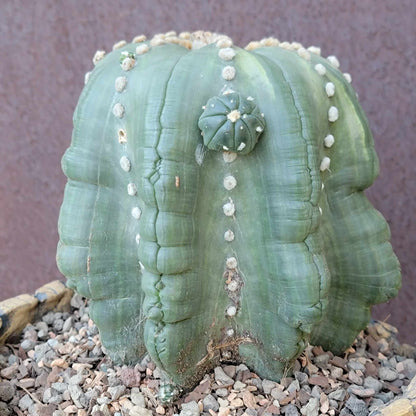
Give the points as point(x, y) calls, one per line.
point(338, 395)
point(25, 402)
point(77, 396)
point(28, 344)
point(355, 365)
point(60, 387)
point(293, 386)
point(222, 392)
point(140, 411)
point(301, 377)
point(268, 386)
point(7, 391)
point(311, 408)
point(137, 397)
point(209, 402)
point(221, 377)
point(290, 410)
point(190, 409)
point(238, 385)
point(5, 409)
point(387, 374)
point(373, 383)
point(116, 391)
point(356, 406)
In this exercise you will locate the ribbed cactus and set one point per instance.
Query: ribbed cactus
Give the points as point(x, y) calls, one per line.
point(214, 208)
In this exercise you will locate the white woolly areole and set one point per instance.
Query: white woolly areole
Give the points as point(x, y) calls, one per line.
point(125, 163)
point(315, 50)
point(228, 73)
point(131, 189)
point(333, 114)
point(122, 136)
point(138, 238)
point(227, 54)
point(329, 140)
point(231, 263)
point(224, 43)
point(232, 286)
point(98, 56)
point(330, 89)
point(320, 69)
point(141, 49)
point(118, 110)
point(127, 63)
point(87, 77)
point(230, 332)
point(229, 156)
point(233, 116)
point(231, 310)
point(303, 53)
point(139, 39)
point(333, 60)
point(326, 162)
point(136, 213)
point(229, 208)
point(242, 144)
point(320, 210)
point(229, 236)
point(119, 44)
point(120, 83)
point(347, 76)
point(230, 182)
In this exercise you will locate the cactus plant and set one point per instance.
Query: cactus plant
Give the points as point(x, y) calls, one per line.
point(214, 208)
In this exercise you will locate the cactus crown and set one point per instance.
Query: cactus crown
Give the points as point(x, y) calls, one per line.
point(214, 208)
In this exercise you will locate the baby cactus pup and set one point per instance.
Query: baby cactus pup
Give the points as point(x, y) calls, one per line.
point(215, 205)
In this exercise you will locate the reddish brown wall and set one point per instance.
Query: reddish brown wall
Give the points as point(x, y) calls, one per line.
point(46, 46)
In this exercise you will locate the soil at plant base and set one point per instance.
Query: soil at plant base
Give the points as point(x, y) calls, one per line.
point(59, 369)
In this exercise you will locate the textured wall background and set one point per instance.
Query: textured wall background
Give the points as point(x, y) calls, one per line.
point(46, 46)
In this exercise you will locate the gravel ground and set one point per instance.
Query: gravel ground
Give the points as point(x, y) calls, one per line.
point(59, 369)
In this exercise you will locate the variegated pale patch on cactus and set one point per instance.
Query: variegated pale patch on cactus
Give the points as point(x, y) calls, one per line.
point(214, 208)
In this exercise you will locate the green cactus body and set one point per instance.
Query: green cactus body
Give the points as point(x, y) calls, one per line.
point(215, 209)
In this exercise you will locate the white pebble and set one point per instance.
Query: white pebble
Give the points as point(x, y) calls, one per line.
point(329, 140)
point(131, 189)
point(229, 156)
point(231, 263)
point(326, 162)
point(229, 236)
point(120, 83)
point(330, 89)
point(118, 110)
point(229, 208)
point(228, 73)
point(230, 182)
point(333, 114)
point(141, 49)
point(347, 76)
point(231, 310)
point(125, 163)
point(136, 213)
point(320, 69)
point(333, 60)
point(227, 54)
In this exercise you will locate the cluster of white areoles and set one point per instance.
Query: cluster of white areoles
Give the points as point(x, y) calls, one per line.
point(127, 63)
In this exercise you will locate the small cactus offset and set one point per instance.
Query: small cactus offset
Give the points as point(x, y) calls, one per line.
point(214, 208)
